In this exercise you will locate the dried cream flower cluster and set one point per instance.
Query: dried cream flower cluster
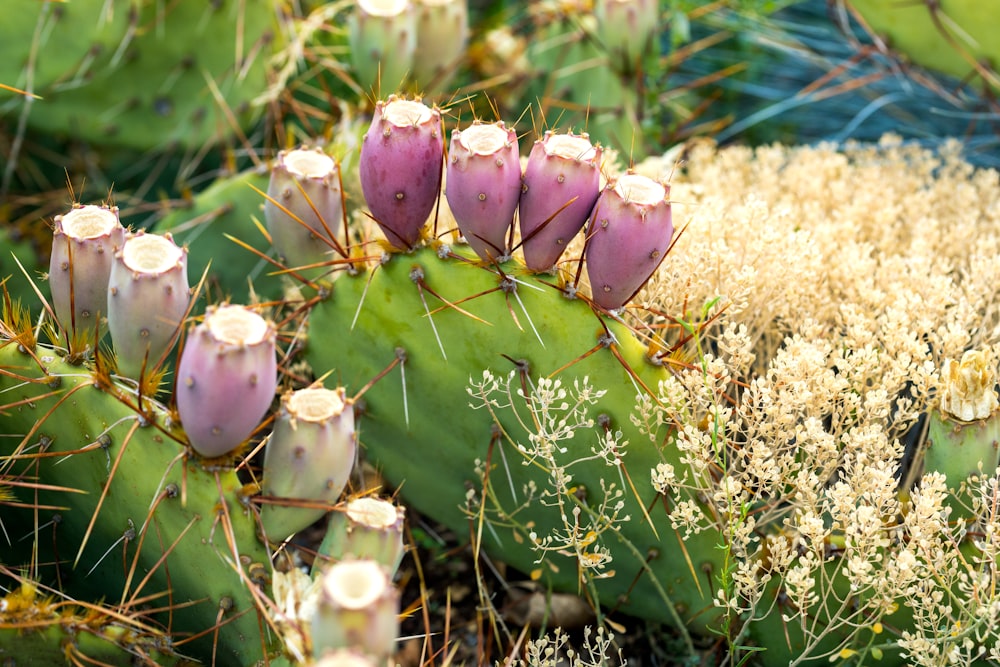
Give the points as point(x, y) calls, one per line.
point(849, 280)
point(835, 286)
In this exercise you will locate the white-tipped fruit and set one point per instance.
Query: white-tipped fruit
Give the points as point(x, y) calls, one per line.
point(226, 379)
point(358, 608)
point(442, 34)
point(148, 296)
point(562, 180)
point(345, 658)
point(369, 528)
point(304, 209)
point(400, 168)
point(628, 236)
point(308, 459)
point(962, 436)
point(382, 35)
point(483, 185)
point(83, 248)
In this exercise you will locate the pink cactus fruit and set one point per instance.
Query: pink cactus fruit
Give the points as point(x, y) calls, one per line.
point(304, 209)
point(83, 248)
point(400, 168)
point(629, 233)
point(563, 172)
point(483, 185)
point(309, 457)
point(226, 378)
point(148, 296)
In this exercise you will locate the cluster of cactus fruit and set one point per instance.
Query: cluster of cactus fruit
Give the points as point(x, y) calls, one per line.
point(190, 567)
point(487, 381)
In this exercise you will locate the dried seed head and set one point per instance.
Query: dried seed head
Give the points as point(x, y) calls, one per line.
point(968, 393)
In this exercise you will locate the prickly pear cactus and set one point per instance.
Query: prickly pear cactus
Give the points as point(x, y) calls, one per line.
point(523, 373)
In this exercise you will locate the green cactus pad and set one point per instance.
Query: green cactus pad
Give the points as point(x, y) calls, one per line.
point(35, 630)
point(429, 441)
point(141, 74)
point(957, 37)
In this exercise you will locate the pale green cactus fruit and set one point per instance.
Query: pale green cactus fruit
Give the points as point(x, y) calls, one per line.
point(365, 527)
point(148, 298)
point(308, 460)
point(442, 37)
point(84, 244)
point(358, 607)
point(304, 211)
point(383, 40)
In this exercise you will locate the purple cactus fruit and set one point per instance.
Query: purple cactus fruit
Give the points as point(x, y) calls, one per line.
point(148, 296)
point(629, 233)
point(304, 210)
point(226, 378)
point(83, 247)
point(563, 172)
point(483, 185)
point(309, 457)
point(400, 168)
